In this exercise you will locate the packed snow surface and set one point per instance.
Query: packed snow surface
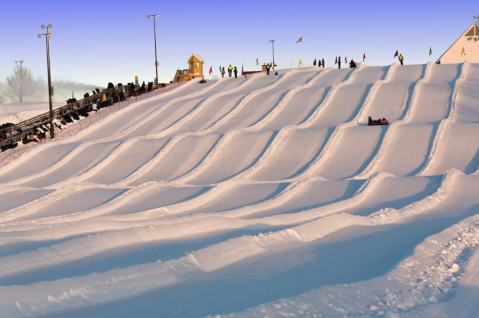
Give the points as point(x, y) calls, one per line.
point(262, 196)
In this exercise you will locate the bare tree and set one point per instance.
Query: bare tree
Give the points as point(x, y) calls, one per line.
point(21, 83)
point(2, 99)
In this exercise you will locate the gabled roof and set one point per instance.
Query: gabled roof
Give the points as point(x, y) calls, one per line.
point(194, 55)
point(473, 30)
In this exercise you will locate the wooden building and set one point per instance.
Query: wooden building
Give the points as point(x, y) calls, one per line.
point(466, 48)
point(194, 70)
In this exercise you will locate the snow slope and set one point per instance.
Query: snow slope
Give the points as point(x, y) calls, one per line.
point(258, 196)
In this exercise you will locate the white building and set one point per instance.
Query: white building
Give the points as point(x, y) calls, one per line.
point(466, 48)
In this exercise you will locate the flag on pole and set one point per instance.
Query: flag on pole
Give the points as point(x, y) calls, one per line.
point(271, 64)
point(346, 59)
point(364, 57)
point(336, 61)
point(211, 70)
point(430, 51)
point(257, 63)
point(396, 54)
point(462, 51)
point(300, 63)
point(300, 40)
point(220, 68)
point(242, 69)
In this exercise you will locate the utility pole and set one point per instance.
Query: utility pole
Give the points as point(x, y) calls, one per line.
point(154, 30)
point(272, 41)
point(48, 35)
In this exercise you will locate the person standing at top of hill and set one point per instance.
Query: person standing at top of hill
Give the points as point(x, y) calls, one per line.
point(401, 59)
point(267, 69)
point(230, 70)
point(323, 62)
point(339, 62)
point(314, 63)
point(236, 72)
point(319, 63)
point(223, 72)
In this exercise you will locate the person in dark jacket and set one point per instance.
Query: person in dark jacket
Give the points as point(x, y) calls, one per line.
point(314, 63)
point(339, 62)
point(352, 64)
point(267, 69)
point(372, 122)
point(235, 70)
point(323, 62)
point(319, 63)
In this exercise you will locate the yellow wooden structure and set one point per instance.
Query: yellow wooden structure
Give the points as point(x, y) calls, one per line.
point(194, 70)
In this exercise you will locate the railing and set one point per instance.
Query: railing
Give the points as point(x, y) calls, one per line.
point(31, 124)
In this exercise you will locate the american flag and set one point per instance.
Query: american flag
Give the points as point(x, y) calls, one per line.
point(300, 40)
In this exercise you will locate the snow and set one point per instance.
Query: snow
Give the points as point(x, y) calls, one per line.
point(257, 196)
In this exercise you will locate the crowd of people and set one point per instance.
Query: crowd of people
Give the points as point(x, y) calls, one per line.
point(231, 70)
point(318, 62)
point(352, 63)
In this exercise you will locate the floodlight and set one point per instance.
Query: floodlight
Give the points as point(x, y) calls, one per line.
point(39, 36)
point(149, 16)
point(49, 35)
point(49, 26)
point(157, 15)
point(43, 27)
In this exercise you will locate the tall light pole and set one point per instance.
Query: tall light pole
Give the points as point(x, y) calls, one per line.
point(154, 30)
point(48, 35)
point(21, 80)
point(272, 41)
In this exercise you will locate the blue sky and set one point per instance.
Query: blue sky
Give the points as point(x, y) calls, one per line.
point(95, 42)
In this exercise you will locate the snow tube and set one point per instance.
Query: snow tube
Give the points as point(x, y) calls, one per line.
point(373, 123)
point(383, 122)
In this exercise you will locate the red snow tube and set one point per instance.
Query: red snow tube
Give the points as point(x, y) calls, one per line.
point(383, 122)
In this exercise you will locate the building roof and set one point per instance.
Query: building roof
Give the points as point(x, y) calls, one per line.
point(194, 55)
point(473, 30)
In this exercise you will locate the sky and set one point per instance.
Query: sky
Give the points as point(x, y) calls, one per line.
point(96, 42)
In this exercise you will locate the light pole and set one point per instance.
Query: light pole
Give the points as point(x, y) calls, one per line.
point(21, 80)
point(272, 41)
point(476, 17)
point(48, 35)
point(154, 30)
